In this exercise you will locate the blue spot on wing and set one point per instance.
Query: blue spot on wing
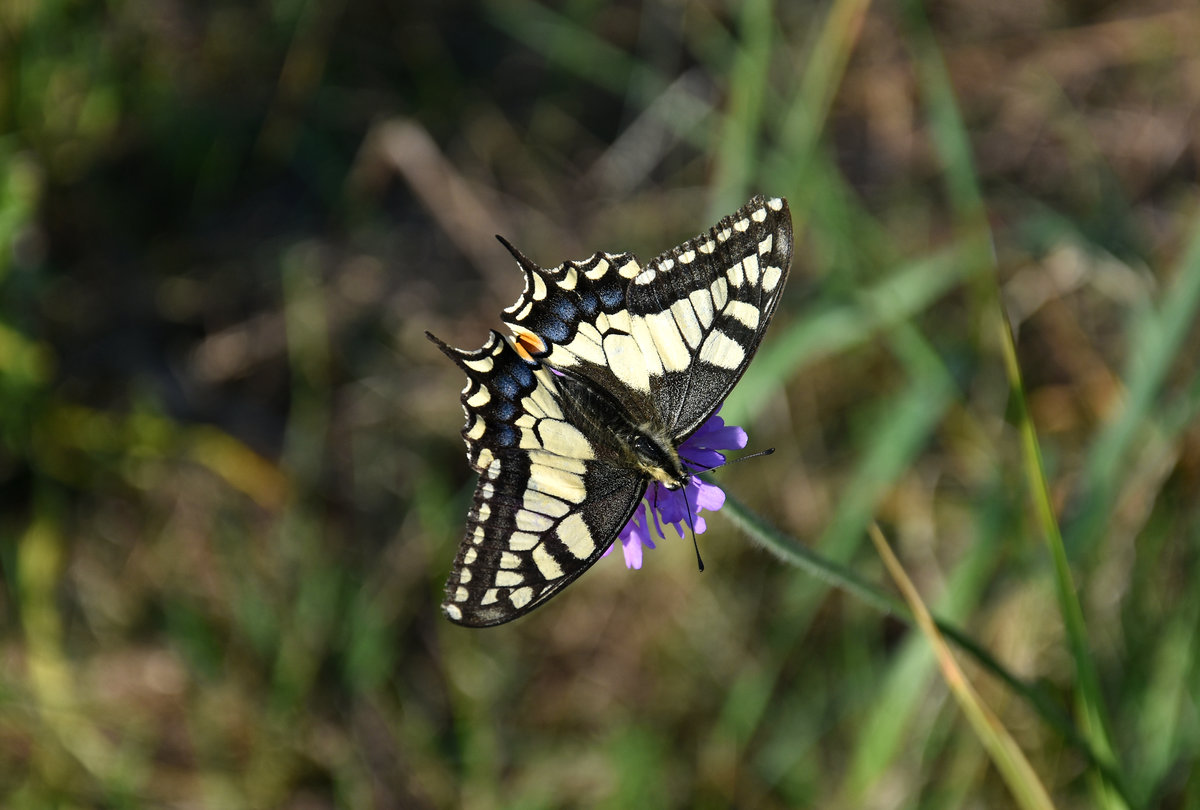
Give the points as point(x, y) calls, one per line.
point(612, 297)
point(589, 303)
point(506, 436)
point(506, 411)
point(556, 331)
point(506, 385)
point(565, 310)
point(523, 374)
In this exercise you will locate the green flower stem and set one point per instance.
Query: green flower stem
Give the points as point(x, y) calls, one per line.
point(792, 551)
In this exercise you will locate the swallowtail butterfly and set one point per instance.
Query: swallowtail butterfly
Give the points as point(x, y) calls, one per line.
point(609, 367)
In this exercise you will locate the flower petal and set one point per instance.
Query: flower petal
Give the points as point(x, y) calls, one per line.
point(680, 508)
point(727, 438)
point(633, 554)
point(710, 497)
point(701, 458)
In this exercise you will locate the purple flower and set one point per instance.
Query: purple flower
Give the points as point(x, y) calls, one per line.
point(662, 505)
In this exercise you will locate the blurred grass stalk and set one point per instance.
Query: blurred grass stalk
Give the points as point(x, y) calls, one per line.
point(952, 143)
point(1018, 774)
point(1158, 336)
point(51, 676)
point(1091, 708)
point(832, 573)
point(1157, 343)
point(975, 260)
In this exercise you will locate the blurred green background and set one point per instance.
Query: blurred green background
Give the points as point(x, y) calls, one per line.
point(231, 477)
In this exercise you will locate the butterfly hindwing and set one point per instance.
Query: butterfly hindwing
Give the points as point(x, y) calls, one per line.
point(576, 316)
point(549, 500)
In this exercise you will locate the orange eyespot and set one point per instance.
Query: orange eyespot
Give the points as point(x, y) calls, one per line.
point(529, 345)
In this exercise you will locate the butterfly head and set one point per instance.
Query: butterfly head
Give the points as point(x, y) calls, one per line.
point(654, 454)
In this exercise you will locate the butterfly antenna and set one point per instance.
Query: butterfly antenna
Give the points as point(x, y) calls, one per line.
point(707, 468)
point(695, 544)
point(766, 452)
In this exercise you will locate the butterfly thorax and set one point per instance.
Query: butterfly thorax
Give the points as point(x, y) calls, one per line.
point(640, 442)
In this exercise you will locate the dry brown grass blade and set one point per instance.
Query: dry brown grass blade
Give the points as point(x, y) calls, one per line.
point(460, 209)
point(1018, 774)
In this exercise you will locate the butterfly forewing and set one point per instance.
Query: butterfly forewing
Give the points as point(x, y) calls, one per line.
point(549, 500)
point(672, 338)
point(706, 305)
point(658, 345)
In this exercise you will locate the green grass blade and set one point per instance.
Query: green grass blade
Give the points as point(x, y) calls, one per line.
point(912, 288)
point(1158, 340)
point(737, 148)
point(1093, 717)
point(575, 49)
point(949, 135)
point(790, 550)
point(808, 111)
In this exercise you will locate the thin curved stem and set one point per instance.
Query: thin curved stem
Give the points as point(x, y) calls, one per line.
point(792, 551)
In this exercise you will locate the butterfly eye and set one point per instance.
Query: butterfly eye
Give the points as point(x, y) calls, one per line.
point(644, 447)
